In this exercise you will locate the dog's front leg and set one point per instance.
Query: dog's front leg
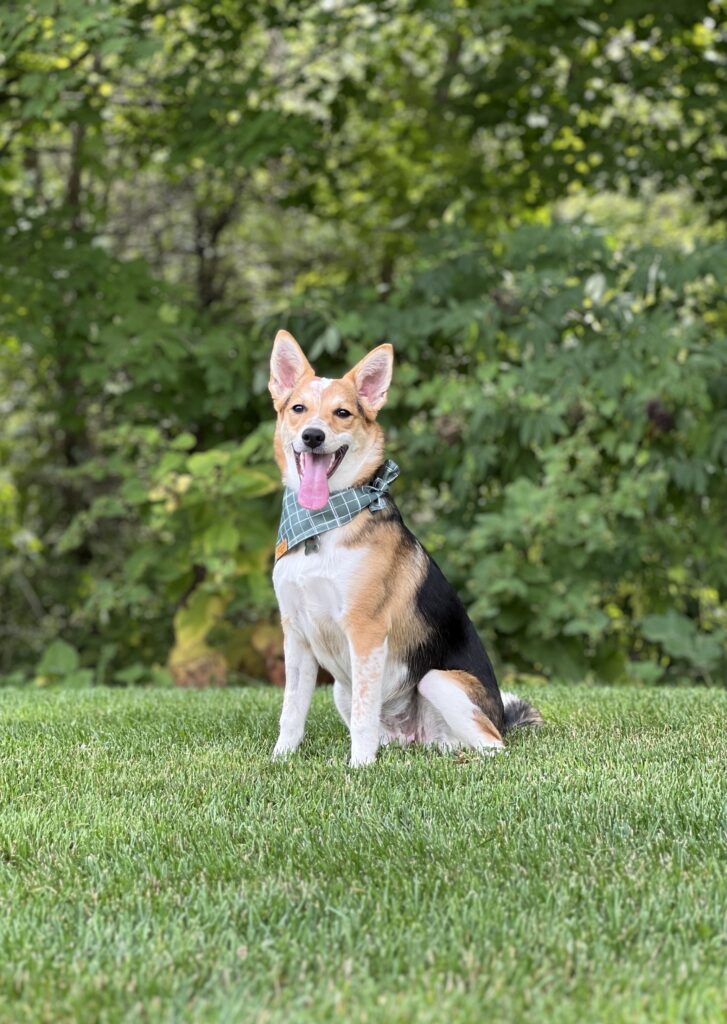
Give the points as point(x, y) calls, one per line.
point(367, 683)
point(301, 671)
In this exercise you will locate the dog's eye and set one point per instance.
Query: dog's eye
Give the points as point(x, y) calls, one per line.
point(342, 414)
point(298, 408)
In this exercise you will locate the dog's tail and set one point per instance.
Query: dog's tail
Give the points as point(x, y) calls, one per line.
point(519, 713)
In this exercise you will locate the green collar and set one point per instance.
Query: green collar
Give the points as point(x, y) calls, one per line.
point(299, 524)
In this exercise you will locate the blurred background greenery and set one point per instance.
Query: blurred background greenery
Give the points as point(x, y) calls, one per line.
point(527, 198)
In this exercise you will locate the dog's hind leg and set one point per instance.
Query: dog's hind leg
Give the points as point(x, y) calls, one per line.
point(342, 700)
point(301, 671)
point(462, 704)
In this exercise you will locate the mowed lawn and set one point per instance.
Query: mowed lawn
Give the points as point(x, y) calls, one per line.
point(155, 866)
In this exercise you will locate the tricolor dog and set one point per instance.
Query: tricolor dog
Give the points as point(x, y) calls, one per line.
point(358, 593)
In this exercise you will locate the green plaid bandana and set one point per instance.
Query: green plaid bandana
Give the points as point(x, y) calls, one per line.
point(299, 524)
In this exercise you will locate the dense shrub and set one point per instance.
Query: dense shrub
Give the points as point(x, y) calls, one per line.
point(561, 419)
point(563, 413)
point(176, 183)
point(559, 412)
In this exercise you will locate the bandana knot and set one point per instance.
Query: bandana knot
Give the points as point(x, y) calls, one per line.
point(298, 524)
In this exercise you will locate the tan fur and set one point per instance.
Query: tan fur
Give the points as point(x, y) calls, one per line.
point(486, 726)
point(320, 404)
point(361, 392)
point(478, 696)
point(386, 596)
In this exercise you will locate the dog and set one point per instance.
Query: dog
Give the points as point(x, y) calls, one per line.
point(358, 594)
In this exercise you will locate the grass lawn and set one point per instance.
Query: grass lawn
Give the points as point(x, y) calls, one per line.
point(155, 866)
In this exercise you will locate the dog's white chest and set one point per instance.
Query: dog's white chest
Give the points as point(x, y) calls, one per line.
point(314, 593)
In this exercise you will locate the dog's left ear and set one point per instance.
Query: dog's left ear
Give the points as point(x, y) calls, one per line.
point(371, 377)
point(288, 366)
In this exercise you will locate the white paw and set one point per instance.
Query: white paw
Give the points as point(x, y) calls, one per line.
point(358, 760)
point(283, 748)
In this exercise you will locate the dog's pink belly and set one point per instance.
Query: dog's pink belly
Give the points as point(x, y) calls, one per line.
point(402, 727)
point(403, 739)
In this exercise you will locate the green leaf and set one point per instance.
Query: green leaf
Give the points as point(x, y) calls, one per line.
point(59, 659)
point(676, 633)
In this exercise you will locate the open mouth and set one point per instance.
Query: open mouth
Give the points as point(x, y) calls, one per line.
point(315, 470)
point(331, 461)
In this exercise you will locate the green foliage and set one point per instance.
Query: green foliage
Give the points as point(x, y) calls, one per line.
point(178, 181)
point(61, 664)
point(202, 526)
point(561, 408)
point(110, 516)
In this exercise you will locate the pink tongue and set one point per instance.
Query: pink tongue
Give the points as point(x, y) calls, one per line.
point(313, 493)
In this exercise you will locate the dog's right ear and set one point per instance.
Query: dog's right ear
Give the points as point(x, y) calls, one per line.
point(288, 365)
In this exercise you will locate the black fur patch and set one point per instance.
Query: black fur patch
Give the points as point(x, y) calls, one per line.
point(452, 642)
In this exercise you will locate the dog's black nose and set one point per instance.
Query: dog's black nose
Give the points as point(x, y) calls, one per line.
point(313, 437)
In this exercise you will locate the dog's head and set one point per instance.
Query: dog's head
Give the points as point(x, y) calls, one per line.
point(326, 436)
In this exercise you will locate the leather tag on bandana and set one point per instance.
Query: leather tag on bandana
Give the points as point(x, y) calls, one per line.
point(281, 548)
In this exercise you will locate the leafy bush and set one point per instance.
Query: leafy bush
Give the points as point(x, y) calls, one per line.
point(561, 419)
point(127, 483)
point(560, 413)
point(176, 185)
